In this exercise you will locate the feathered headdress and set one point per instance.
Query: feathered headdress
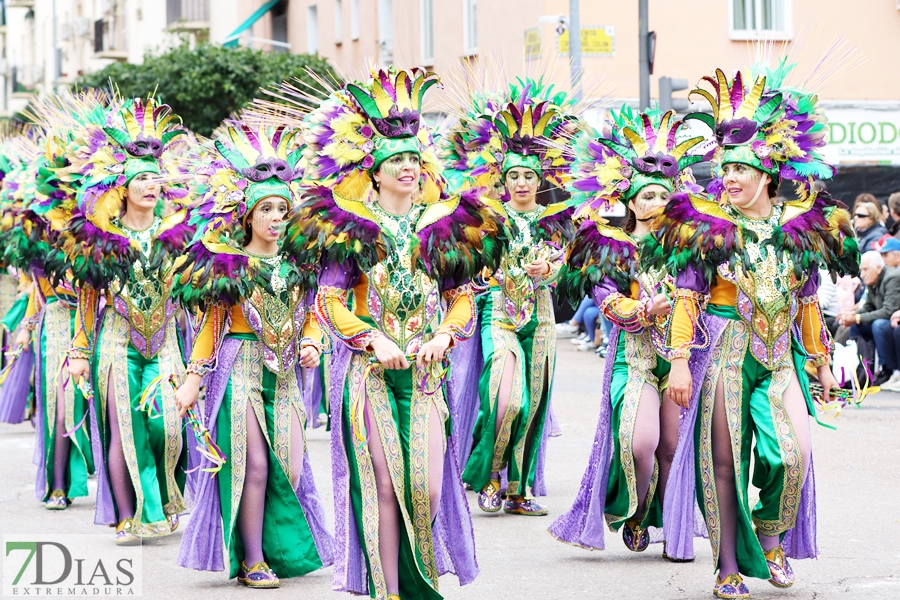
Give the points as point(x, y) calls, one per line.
point(636, 150)
point(246, 166)
point(767, 125)
point(126, 139)
point(530, 127)
point(349, 133)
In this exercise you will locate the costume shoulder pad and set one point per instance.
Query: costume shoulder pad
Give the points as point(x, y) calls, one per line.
point(597, 252)
point(818, 232)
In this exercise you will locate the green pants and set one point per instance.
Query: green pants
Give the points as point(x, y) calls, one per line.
point(154, 446)
point(534, 349)
point(636, 364)
point(287, 541)
point(57, 330)
point(399, 410)
point(760, 428)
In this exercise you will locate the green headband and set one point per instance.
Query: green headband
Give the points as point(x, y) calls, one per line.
point(264, 189)
point(137, 166)
point(530, 161)
point(744, 154)
point(639, 181)
point(388, 147)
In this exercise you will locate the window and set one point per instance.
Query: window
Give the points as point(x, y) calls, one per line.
point(760, 19)
point(470, 26)
point(354, 20)
point(338, 21)
point(426, 9)
point(312, 29)
point(280, 27)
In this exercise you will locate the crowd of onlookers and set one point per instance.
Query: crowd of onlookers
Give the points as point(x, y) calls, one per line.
point(865, 309)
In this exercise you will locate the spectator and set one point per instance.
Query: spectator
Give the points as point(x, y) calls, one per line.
point(829, 300)
point(585, 316)
point(872, 321)
point(890, 252)
point(894, 207)
point(868, 223)
point(865, 197)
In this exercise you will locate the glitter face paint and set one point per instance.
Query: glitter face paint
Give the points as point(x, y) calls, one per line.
point(522, 185)
point(740, 181)
point(393, 166)
point(143, 191)
point(267, 220)
point(648, 200)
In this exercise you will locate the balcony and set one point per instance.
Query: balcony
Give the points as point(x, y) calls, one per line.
point(109, 43)
point(187, 15)
point(20, 4)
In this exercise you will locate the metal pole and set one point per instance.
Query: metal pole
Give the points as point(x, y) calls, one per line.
point(644, 53)
point(55, 51)
point(575, 47)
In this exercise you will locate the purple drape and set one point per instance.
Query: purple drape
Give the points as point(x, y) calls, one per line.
point(202, 546)
point(16, 390)
point(454, 539)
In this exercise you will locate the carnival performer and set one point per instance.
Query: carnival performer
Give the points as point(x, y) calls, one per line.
point(635, 162)
point(378, 226)
point(519, 145)
point(118, 246)
point(753, 266)
point(257, 341)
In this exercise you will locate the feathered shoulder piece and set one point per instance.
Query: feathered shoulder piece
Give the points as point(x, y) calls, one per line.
point(328, 228)
point(691, 229)
point(555, 224)
point(598, 252)
point(459, 238)
point(121, 142)
point(816, 229)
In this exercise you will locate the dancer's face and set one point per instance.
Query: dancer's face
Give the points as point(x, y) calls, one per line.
point(648, 200)
point(399, 174)
point(143, 191)
point(741, 183)
point(522, 185)
point(267, 218)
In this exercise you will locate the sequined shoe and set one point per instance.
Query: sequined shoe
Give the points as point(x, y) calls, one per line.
point(779, 568)
point(57, 501)
point(393, 597)
point(173, 521)
point(259, 576)
point(731, 588)
point(636, 538)
point(672, 558)
point(489, 498)
point(524, 506)
point(124, 534)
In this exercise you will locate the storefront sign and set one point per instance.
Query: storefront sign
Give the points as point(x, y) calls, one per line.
point(863, 136)
point(596, 40)
point(532, 43)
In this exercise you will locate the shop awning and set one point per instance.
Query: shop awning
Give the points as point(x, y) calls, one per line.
point(233, 40)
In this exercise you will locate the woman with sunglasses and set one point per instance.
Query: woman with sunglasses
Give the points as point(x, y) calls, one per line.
point(869, 225)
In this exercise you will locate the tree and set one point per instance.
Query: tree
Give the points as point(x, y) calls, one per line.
point(206, 84)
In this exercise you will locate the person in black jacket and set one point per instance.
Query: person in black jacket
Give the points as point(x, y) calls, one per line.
point(873, 321)
point(869, 224)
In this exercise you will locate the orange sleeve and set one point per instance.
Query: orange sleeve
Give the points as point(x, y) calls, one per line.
point(85, 321)
point(332, 312)
point(816, 338)
point(459, 322)
point(312, 332)
point(209, 338)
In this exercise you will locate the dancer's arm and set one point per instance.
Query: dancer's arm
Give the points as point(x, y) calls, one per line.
point(331, 307)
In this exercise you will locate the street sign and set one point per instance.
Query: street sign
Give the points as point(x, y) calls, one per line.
point(532, 43)
point(596, 40)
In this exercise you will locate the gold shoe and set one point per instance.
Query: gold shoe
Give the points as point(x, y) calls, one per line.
point(782, 575)
point(731, 588)
point(393, 596)
point(259, 576)
point(124, 535)
point(57, 501)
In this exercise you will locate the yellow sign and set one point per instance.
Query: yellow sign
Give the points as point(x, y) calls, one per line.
point(596, 40)
point(532, 43)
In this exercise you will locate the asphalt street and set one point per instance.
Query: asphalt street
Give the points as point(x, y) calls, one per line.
point(858, 489)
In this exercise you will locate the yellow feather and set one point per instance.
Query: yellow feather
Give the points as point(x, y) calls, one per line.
point(403, 99)
point(724, 95)
point(382, 99)
point(662, 133)
point(640, 145)
point(751, 102)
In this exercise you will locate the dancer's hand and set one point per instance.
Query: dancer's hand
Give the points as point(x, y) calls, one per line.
point(186, 396)
point(23, 338)
point(78, 368)
point(680, 384)
point(538, 268)
point(826, 378)
point(309, 357)
point(434, 350)
point(661, 305)
point(388, 354)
